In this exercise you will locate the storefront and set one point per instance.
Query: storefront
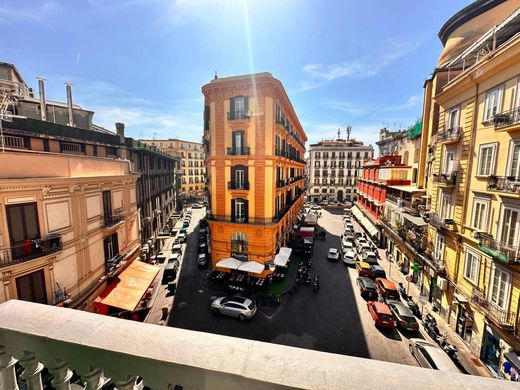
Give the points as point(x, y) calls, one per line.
point(490, 352)
point(464, 320)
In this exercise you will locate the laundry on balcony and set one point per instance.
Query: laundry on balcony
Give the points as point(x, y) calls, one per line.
point(128, 289)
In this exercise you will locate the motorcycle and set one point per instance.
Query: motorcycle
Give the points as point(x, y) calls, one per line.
point(403, 292)
point(430, 325)
point(413, 307)
point(450, 349)
point(316, 283)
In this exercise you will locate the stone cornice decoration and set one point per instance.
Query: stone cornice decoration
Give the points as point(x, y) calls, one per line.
point(20, 186)
point(57, 195)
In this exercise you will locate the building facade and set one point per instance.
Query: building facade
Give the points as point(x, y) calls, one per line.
point(192, 170)
point(334, 167)
point(255, 149)
point(470, 138)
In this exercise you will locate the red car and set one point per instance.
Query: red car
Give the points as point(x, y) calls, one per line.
point(381, 314)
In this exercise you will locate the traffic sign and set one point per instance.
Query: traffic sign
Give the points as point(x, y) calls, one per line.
point(409, 278)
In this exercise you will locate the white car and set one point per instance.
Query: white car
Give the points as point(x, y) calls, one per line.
point(240, 307)
point(347, 246)
point(315, 207)
point(369, 257)
point(430, 355)
point(333, 254)
point(349, 258)
point(347, 219)
point(361, 241)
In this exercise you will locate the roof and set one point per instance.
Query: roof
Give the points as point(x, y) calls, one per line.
point(12, 66)
point(388, 284)
point(382, 308)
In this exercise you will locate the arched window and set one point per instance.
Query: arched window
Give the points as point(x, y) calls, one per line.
point(239, 242)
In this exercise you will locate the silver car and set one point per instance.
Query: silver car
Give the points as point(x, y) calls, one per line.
point(233, 306)
point(430, 355)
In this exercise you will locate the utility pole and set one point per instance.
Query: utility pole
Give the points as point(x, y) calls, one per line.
point(349, 130)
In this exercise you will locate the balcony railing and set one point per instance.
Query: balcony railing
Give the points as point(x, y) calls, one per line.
point(232, 116)
point(243, 151)
point(509, 184)
point(32, 249)
point(232, 185)
point(242, 219)
point(113, 263)
point(501, 317)
point(508, 254)
point(440, 223)
point(507, 118)
point(31, 333)
point(448, 179)
point(281, 183)
point(449, 135)
point(110, 220)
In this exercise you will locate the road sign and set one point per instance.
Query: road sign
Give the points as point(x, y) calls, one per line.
point(409, 278)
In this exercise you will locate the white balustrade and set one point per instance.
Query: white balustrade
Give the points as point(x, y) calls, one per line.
point(97, 346)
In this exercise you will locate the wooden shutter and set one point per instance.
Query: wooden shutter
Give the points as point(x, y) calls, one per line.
point(232, 108)
point(233, 143)
point(246, 209)
point(233, 210)
point(246, 105)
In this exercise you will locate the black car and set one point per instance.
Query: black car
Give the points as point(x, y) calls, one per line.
point(170, 271)
point(367, 287)
point(202, 260)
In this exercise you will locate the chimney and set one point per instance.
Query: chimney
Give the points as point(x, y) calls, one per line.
point(43, 103)
point(68, 86)
point(120, 130)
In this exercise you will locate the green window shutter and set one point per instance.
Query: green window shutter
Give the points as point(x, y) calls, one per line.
point(232, 210)
point(246, 105)
point(232, 108)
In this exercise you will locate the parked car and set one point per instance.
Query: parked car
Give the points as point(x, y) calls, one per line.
point(387, 289)
point(381, 314)
point(170, 271)
point(160, 258)
point(196, 206)
point(361, 241)
point(316, 207)
point(183, 230)
point(202, 260)
point(364, 269)
point(348, 236)
point(347, 246)
point(367, 288)
point(378, 272)
point(404, 316)
point(361, 249)
point(347, 218)
point(185, 222)
point(430, 355)
point(234, 306)
point(333, 254)
point(202, 247)
point(358, 234)
point(349, 257)
point(182, 238)
point(368, 256)
point(176, 248)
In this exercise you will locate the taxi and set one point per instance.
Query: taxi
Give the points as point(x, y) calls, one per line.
point(364, 269)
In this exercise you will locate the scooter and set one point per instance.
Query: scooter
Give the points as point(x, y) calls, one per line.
point(403, 292)
point(450, 349)
point(413, 307)
point(316, 283)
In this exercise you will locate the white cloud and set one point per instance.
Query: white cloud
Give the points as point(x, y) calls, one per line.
point(412, 101)
point(317, 75)
point(35, 13)
point(347, 107)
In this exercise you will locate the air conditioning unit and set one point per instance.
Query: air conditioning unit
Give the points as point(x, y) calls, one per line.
point(442, 283)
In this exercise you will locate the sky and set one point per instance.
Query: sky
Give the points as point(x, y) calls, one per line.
point(143, 62)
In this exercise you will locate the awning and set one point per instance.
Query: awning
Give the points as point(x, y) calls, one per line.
point(230, 263)
point(461, 298)
point(410, 189)
point(282, 257)
point(363, 220)
point(413, 219)
point(252, 266)
point(357, 213)
point(514, 359)
point(127, 290)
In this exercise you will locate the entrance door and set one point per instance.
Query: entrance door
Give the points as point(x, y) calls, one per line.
point(22, 221)
point(340, 196)
point(31, 287)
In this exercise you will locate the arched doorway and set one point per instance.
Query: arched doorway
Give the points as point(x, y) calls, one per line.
point(340, 196)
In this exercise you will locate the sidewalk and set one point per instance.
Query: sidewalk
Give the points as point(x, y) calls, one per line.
point(468, 362)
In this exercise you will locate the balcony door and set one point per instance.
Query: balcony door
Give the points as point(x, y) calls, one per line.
point(107, 205)
point(239, 178)
point(514, 165)
point(31, 287)
point(239, 209)
point(22, 221)
point(238, 141)
point(510, 229)
point(449, 162)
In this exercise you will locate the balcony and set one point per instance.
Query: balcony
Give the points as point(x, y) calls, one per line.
point(440, 223)
point(244, 219)
point(281, 183)
point(243, 151)
point(449, 136)
point(507, 184)
point(508, 120)
point(505, 253)
point(32, 249)
point(237, 116)
point(113, 264)
point(232, 185)
point(63, 340)
point(111, 220)
point(445, 179)
point(503, 318)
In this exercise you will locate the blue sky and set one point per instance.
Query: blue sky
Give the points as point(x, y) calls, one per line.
point(143, 62)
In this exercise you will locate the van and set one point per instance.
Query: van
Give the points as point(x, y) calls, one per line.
point(177, 248)
point(170, 271)
point(387, 289)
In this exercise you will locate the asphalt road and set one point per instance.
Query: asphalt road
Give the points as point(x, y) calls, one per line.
point(334, 319)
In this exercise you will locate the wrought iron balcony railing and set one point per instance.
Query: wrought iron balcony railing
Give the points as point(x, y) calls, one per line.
point(30, 250)
point(243, 151)
point(440, 223)
point(507, 118)
point(509, 184)
point(448, 179)
point(503, 252)
point(231, 116)
point(233, 185)
point(110, 220)
point(501, 317)
point(449, 135)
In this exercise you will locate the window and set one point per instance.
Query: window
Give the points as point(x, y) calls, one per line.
point(499, 288)
point(316, 164)
point(239, 242)
point(316, 190)
point(316, 182)
point(239, 106)
point(31, 287)
point(471, 266)
point(479, 220)
point(445, 210)
point(238, 141)
point(438, 253)
point(486, 160)
point(514, 161)
point(449, 162)
point(510, 227)
point(23, 226)
point(453, 118)
point(317, 155)
point(239, 178)
point(493, 103)
point(239, 207)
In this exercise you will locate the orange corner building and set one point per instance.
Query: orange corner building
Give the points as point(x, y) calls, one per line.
point(255, 149)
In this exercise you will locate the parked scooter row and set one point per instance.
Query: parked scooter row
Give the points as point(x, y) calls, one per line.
point(430, 325)
point(304, 277)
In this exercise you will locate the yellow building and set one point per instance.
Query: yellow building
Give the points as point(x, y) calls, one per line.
point(255, 146)
point(471, 136)
point(192, 169)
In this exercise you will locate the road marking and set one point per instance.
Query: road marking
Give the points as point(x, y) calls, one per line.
point(269, 317)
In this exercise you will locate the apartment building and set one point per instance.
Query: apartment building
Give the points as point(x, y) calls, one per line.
point(471, 138)
point(255, 147)
point(334, 167)
point(192, 170)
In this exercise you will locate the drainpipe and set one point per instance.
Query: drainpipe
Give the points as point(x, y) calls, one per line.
point(68, 86)
point(43, 103)
point(468, 180)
